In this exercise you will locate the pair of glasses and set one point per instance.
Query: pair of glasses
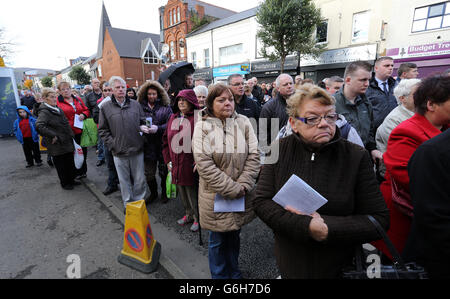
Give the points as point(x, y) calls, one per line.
point(315, 120)
point(106, 90)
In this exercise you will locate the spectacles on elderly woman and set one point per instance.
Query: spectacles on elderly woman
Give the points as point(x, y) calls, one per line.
point(315, 120)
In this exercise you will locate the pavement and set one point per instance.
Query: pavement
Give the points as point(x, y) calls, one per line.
point(42, 225)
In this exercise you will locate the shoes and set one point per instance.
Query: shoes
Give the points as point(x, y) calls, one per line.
point(184, 220)
point(194, 227)
point(29, 165)
point(39, 163)
point(68, 187)
point(100, 163)
point(109, 190)
point(80, 176)
point(50, 163)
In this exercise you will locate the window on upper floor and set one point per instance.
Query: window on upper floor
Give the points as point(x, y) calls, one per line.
point(194, 59)
point(431, 17)
point(322, 32)
point(207, 60)
point(150, 58)
point(360, 30)
point(178, 15)
point(170, 18)
point(231, 54)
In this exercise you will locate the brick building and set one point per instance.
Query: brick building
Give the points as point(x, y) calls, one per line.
point(180, 17)
point(129, 54)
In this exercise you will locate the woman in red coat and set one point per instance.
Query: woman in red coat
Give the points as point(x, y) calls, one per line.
point(432, 102)
point(71, 106)
point(177, 149)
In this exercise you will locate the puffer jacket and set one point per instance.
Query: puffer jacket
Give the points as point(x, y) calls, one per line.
point(32, 121)
point(160, 115)
point(227, 157)
point(51, 123)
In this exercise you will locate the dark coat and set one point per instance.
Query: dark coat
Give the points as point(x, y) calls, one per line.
point(382, 103)
point(248, 108)
point(359, 115)
point(341, 172)
point(258, 94)
point(182, 128)
point(50, 124)
point(91, 102)
point(275, 108)
point(28, 101)
point(160, 115)
point(429, 184)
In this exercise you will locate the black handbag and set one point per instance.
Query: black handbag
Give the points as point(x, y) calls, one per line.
point(398, 270)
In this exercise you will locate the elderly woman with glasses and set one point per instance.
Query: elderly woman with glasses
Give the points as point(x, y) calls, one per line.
point(319, 245)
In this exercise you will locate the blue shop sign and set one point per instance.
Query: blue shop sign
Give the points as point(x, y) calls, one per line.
point(224, 71)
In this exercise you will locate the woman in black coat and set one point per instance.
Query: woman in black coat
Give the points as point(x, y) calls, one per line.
point(55, 129)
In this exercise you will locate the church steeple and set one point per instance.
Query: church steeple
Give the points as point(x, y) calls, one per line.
point(104, 23)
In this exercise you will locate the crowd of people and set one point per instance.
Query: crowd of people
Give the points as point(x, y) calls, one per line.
point(370, 144)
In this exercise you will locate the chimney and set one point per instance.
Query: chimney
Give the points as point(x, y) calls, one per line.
point(200, 11)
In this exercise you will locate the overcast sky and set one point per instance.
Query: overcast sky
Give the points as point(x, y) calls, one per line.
point(50, 32)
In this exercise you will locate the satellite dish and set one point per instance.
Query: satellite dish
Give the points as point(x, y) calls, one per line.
point(164, 49)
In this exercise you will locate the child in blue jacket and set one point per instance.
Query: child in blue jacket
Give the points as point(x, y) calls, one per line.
point(26, 134)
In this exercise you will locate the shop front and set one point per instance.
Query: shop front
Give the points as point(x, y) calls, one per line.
point(430, 58)
point(333, 62)
point(221, 74)
point(267, 71)
point(205, 74)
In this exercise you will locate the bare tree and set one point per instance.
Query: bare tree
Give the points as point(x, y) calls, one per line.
point(6, 45)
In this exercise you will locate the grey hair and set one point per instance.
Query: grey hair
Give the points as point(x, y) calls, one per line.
point(404, 88)
point(277, 81)
point(115, 79)
point(233, 76)
point(201, 90)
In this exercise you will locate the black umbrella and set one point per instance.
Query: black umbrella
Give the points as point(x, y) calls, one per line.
point(176, 73)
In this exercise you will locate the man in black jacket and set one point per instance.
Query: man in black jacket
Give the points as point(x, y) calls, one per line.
point(429, 240)
point(244, 105)
point(381, 90)
point(28, 99)
point(276, 107)
point(257, 91)
point(94, 96)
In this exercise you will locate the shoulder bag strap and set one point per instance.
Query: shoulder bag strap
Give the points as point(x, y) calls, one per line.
point(397, 259)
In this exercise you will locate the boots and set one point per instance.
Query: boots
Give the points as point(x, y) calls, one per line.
point(164, 198)
point(153, 186)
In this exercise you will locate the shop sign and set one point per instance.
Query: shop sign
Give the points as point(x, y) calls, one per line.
point(225, 71)
point(435, 49)
point(345, 55)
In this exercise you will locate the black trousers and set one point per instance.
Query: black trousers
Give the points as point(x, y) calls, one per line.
point(65, 167)
point(31, 151)
point(83, 169)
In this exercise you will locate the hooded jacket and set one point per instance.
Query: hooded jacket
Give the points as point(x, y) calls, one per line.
point(32, 121)
point(160, 115)
point(182, 129)
point(51, 123)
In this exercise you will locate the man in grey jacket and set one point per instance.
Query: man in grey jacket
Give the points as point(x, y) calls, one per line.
point(352, 103)
point(121, 124)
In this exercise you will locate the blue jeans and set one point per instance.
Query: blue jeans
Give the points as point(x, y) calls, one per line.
point(223, 255)
point(100, 148)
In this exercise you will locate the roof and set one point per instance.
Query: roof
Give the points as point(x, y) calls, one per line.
point(104, 23)
point(210, 10)
point(129, 43)
point(229, 20)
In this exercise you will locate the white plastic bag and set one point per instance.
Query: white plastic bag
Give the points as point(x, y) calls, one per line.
point(78, 156)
